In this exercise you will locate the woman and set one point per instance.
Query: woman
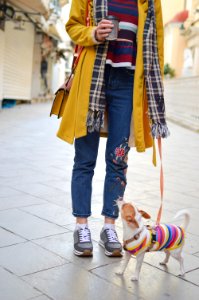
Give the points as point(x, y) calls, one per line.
point(117, 85)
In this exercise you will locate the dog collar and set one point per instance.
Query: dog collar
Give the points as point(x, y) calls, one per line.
point(134, 238)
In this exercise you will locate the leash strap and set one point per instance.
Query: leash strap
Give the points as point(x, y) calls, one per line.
point(161, 181)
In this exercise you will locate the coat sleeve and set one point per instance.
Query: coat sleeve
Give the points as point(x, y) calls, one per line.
point(160, 34)
point(76, 25)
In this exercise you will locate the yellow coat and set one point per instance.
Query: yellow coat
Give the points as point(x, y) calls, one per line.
point(73, 123)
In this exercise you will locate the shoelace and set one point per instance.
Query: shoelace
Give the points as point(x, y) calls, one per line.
point(84, 235)
point(112, 235)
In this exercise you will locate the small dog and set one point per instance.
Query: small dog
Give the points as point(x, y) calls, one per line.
point(139, 239)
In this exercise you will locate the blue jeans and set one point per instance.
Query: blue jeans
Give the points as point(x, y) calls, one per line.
point(119, 94)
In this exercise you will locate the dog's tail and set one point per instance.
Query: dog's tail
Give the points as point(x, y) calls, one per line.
point(185, 213)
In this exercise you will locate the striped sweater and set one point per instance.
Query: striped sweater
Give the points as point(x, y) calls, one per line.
point(122, 52)
point(166, 236)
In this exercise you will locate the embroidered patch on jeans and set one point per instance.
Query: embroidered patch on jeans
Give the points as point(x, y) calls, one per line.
point(121, 152)
point(119, 158)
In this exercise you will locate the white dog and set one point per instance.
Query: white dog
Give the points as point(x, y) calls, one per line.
point(139, 238)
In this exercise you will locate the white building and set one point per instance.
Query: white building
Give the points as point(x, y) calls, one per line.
point(34, 31)
point(182, 36)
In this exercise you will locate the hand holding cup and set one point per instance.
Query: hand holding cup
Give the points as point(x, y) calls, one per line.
point(103, 30)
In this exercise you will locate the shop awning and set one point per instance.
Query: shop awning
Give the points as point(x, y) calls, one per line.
point(180, 17)
point(38, 6)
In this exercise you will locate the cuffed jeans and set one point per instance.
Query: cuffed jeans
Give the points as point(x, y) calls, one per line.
point(119, 94)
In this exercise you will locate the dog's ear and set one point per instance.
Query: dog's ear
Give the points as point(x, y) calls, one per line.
point(144, 214)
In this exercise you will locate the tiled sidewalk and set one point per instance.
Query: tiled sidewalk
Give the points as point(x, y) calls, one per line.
point(36, 259)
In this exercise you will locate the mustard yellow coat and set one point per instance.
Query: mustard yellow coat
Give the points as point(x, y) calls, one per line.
point(73, 123)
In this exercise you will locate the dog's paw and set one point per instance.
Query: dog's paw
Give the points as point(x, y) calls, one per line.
point(182, 274)
point(119, 273)
point(163, 263)
point(134, 278)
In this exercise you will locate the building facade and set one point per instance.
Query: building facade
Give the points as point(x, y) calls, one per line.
point(182, 36)
point(170, 8)
point(182, 54)
point(30, 62)
point(191, 34)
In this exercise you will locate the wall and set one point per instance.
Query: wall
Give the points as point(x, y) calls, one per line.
point(58, 75)
point(36, 76)
point(2, 44)
point(174, 47)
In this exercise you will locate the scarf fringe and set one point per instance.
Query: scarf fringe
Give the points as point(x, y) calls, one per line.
point(95, 120)
point(159, 130)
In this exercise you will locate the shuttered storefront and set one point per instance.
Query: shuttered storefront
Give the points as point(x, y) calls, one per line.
point(18, 62)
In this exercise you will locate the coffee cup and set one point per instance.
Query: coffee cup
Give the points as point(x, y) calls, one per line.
point(114, 33)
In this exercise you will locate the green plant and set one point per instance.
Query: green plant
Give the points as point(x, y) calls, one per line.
point(168, 71)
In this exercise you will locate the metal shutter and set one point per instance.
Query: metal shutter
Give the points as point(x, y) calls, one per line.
point(18, 61)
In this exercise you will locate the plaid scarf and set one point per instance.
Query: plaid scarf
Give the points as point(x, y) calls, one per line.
point(97, 102)
point(154, 85)
point(153, 78)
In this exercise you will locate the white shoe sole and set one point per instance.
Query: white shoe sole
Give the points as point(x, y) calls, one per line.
point(86, 252)
point(115, 253)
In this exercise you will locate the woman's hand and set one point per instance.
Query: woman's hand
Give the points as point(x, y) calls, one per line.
point(103, 29)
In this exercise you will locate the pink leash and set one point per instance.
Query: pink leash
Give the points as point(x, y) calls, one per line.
point(161, 182)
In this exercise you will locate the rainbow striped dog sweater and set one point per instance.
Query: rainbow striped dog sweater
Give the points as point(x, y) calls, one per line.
point(160, 237)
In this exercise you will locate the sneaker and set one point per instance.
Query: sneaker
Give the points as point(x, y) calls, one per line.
point(109, 241)
point(82, 242)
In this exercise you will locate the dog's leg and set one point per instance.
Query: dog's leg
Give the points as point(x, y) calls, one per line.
point(181, 261)
point(139, 262)
point(126, 261)
point(165, 261)
point(178, 255)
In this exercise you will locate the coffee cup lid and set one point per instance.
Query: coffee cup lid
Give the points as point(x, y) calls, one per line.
point(110, 17)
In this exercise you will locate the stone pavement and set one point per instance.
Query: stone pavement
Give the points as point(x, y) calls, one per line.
point(181, 109)
point(36, 259)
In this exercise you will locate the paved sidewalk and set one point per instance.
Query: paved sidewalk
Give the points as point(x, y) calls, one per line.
point(36, 259)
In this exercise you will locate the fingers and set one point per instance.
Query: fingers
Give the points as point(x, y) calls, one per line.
point(103, 29)
point(105, 23)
